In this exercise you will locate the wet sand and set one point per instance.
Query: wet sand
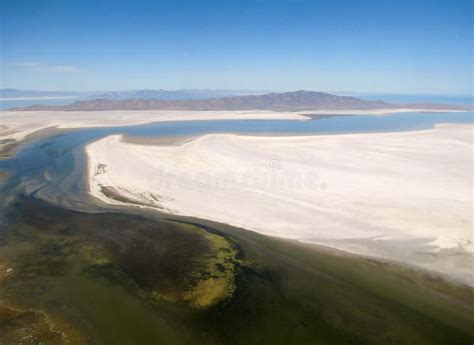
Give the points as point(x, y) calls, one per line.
point(157, 141)
point(3, 175)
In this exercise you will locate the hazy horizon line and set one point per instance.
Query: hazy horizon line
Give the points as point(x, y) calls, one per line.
point(341, 92)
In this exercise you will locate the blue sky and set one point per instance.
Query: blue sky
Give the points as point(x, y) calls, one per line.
point(418, 46)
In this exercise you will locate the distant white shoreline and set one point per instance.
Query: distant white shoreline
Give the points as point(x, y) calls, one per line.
point(37, 98)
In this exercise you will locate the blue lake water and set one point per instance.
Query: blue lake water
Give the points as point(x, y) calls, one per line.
point(13, 103)
point(53, 162)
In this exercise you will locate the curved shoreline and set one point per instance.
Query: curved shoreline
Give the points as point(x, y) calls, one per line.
point(21, 126)
point(18, 125)
point(418, 251)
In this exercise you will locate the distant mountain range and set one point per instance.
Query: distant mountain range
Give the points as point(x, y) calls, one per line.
point(126, 94)
point(287, 101)
point(172, 94)
point(17, 94)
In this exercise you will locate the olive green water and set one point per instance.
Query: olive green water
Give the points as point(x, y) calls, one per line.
point(123, 279)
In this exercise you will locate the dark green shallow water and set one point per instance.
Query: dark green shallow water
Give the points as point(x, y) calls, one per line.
point(93, 270)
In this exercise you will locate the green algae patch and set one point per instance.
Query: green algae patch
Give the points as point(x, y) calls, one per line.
point(214, 280)
point(93, 254)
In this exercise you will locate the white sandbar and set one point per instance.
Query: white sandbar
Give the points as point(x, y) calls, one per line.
point(403, 196)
